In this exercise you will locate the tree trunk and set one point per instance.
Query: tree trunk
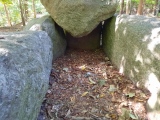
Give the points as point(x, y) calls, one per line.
point(155, 7)
point(26, 9)
point(34, 9)
point(128, 7)
point(121, 6)
point(7, 14)
point(21, 10)
point(140, 7)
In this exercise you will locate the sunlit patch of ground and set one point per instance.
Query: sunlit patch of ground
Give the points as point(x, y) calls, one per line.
point(85, 86)
point(15, 28)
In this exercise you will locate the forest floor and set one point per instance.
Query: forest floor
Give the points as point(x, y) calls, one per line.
point(15, 28)
point(84, 85)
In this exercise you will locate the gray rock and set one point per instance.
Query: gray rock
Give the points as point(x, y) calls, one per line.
point(80, 17)
point(47, 24)
point(25, 64)
point(88, 42)
point(132, 43)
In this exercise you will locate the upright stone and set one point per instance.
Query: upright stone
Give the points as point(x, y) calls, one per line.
point(80, 17)
point(25, 65)
point(133, 44)
point(55, 32)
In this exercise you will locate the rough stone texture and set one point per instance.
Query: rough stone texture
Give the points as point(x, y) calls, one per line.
point(56, 33)
point(88, 42)
point(25, 64)
point(133, 45)
point(80, 17)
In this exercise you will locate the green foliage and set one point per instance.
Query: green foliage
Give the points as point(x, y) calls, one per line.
point(150, 2)
point(148, 6)
point(6, 1)
point(146, 1)
point(14, 11)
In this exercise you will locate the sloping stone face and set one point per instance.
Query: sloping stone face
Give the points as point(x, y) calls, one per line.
point(56, 33)
point(133, 44)
point(25, 64)
point(80, 17)
point(88, 42)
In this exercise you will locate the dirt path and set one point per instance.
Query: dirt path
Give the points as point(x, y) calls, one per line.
point(85, 86)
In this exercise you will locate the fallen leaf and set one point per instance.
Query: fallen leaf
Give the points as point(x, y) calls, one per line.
point(91, 81)
point(83, 67)
point(107, 116)
point(101, 95)
point(124, 115)
point(97, 96)
point(134, 117)
point(73, 99)
point(112, 88)
point(106, 58)
point(79, 76)
point(84, 94)
point(68, 113)
point(94, 110)
point(102, 82)
point(124, 103)
point(130, 95)
point(113, 116)
point(65, 69)
point(142, 95)
point(84, 111)
point(139, 100)
point(91, 96)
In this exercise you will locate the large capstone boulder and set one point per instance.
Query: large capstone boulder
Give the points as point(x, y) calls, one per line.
point(133, 44)
point(80, 17)
point(88, 42)
point(56, 33)
point(25, 64)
